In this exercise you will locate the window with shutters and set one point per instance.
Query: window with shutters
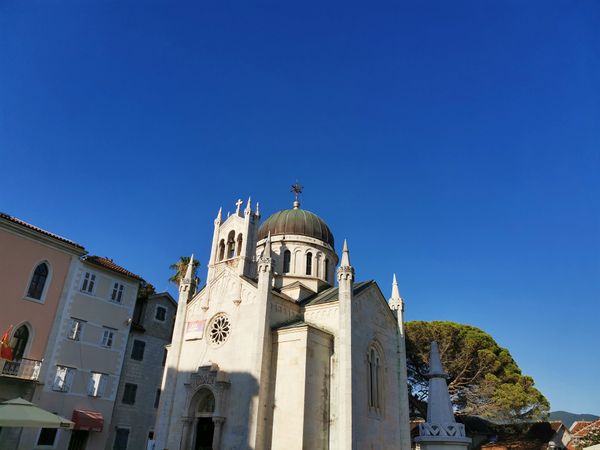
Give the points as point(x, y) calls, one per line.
point(108, 337)
point(161, 313)
point(89, 282)
point(75, 330)
point(137, 351)
point(129, 394)
point(117, 292)
point(97, 384)
point(121, 438)
point(63, 378)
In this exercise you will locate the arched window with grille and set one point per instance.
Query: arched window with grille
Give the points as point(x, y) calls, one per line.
point(38, 281)
point(309, 263)
point(287, 256)
point(374, 376)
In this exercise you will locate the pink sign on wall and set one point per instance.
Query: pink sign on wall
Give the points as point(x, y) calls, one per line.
point(194, 329)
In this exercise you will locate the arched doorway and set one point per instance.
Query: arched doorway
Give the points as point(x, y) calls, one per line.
point(205, 427)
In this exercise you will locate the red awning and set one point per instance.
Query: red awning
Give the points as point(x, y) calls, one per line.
point(87, 420)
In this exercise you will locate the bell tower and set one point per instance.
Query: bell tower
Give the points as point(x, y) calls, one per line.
point(234, 240)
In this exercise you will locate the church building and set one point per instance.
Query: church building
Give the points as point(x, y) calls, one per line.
point(283, 348)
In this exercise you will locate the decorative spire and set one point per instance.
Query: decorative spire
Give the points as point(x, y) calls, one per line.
point(187, 279)
point(345, 255)
point(297, 190)
point(264, 262)
point(257, 212)
point(238, 204)
point(267, 252)
point(248, 209)
point(219, 215)
point(396, 302)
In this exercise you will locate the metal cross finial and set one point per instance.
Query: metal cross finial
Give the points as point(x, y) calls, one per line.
point(238, 204)
point(297, 190)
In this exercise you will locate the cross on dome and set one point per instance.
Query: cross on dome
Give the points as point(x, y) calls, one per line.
point(297, 190)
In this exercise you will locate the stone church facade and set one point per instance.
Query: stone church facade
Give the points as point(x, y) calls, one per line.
point(272, 354)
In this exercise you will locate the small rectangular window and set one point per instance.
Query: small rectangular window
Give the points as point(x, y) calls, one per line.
point(108, 338)
point(97, 384)
point(157, 398)
point(75, 331)
point(47, 437)
point(137, 351)
point(129, 394)
point(117, 292)
point(161, 313)
point(89, 280)
point(121, 438)
point(63, 378)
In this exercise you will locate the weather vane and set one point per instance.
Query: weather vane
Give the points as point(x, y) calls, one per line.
point(297, 190)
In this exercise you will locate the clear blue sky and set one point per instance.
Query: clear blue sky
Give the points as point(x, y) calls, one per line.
point(454, 143)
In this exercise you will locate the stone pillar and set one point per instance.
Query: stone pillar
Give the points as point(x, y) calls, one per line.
point(216, 443)
point(440, 431)
point(186, 432)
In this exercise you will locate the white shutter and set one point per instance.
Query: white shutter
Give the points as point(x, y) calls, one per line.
point(102, 385)
point(91, 388)
point(59, 378)
point(69, 379)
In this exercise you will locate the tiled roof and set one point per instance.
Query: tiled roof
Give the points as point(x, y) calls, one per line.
point(585, 430)
point(110, 265)
point(579, 425)
point(331, 294)
point(556, 424)
point(39, 230)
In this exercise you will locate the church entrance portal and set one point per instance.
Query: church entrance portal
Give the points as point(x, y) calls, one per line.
point(205, 429)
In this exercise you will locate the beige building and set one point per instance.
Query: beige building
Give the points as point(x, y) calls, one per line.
point(83, 363)
point(280, 350)
point(35, 265)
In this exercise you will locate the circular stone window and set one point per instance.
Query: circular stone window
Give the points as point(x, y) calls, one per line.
point(218, 330)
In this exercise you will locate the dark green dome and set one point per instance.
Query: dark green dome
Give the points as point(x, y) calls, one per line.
point(296, 221)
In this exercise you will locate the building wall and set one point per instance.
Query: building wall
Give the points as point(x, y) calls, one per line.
point(140, 417)
point(19, 256)
point(87, 354)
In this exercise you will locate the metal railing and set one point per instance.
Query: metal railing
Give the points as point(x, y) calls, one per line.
point(25, 368)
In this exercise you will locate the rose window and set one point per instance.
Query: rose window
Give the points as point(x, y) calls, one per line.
point(219, 329)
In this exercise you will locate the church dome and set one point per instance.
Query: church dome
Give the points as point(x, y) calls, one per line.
point(296, 221)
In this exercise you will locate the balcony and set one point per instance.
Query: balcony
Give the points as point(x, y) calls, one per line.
point(24, 368)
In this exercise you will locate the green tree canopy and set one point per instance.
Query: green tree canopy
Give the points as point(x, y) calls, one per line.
point(483, 378)
point(180, 267)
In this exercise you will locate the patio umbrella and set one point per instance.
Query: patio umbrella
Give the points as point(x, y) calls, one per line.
point(21, 413)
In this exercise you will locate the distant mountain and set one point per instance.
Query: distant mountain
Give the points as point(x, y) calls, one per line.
point(568, 418)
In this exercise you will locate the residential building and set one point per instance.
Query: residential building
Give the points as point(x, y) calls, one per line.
point(35, 266)
point(139, 390)
point(83, 365)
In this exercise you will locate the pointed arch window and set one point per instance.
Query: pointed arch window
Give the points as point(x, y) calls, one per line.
point(375, 380)
point(239, 244)
point(38, 281)
point(221, 250)
point(19, 342)
point(309, 263)
point(287, 256)
point(231, 245)
point(326, 269)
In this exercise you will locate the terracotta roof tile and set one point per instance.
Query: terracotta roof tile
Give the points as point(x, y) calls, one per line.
point(584, 431)
point(579, 425)
point(39, 230)
point(110, 265)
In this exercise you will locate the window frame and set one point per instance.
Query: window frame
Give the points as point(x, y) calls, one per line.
point(117, 429)
point(107, 341)
point(164, 319)
point(66, 381)
point(125, 391)
point(39, 435)
point(77, 336)
point(116, 295)
point(133, 348)
point(99, 389)
point(86, 282)
point(47, 282)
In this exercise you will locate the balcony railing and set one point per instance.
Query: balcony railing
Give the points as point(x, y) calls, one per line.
point(25, 368)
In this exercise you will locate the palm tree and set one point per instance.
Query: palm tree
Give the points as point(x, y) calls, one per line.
point(180, 267)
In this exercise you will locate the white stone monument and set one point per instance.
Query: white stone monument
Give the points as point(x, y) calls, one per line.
point(440, 431)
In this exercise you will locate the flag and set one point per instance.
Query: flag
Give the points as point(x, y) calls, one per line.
point(6, 351)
